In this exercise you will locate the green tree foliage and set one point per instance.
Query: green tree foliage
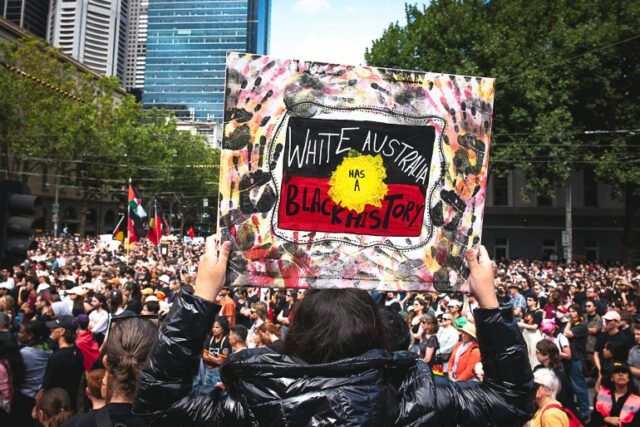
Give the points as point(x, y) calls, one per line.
point(563, 68)
point(58, 118)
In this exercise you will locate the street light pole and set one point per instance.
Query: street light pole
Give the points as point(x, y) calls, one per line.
point(55, 209)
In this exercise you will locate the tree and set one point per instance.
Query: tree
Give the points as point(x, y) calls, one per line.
point(563, 69)
point(55, 117)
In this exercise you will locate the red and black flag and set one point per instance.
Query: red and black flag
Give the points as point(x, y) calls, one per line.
point(136, 215)
point(355, 177)
point(155, 226)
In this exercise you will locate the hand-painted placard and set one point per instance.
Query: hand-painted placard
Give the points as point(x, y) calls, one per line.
point(343, 176)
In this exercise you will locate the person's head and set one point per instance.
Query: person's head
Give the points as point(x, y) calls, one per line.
point(151, 307)
point(333, 324)
point(33, 333)
point(95, 386)
point(626, 319)
point(429, 324)
point(268, 332)
point(590, 307)
point(220, 327)
point(258, 310)
point(291, 296)
point(607, 351)
point(63, 329)
point(129, 343)
point(532, 302)
point(575, 313)
point(454, 307)
point(618, 376)
point(590, 293)
point(548, 354)
point(10, 355)
point(53, 407)
point(397, 335)
point(636, 332)
point(83, 322)
point(445, 320)
point(238, 336)
point(513, 289)
point(547, 384)
point(301, 294)
point(467, 332)
point(419, 306)
point(116, 301)
point(611, 320)
point(98, 302)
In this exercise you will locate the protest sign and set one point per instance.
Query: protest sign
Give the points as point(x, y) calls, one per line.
point(350, 176)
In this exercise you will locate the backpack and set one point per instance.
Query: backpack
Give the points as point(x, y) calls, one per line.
point(573, 420)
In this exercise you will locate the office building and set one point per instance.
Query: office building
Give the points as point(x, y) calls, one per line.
point(91, 31)
point(187, 43)
point(31, 15)
point(136, 45)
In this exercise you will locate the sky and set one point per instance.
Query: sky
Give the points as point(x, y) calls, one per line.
point(336, 31)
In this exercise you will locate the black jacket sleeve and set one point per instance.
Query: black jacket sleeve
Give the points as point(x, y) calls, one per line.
point(166, 380)
point(505, 398)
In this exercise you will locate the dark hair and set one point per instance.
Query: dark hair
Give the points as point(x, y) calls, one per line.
point(224, 324)
point(333, 324)
point(153, 306)
point(37, 330)
point(115, 301)
point(549, 348)
point(129, 343)
point(102, 300)
point(69, 336)
point(55, 406)
point(397, 335)
point(241, 332)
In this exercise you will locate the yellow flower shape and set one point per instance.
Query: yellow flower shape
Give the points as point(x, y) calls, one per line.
point(358, 181)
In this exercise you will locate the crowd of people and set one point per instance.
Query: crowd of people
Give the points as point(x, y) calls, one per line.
point(79, 319)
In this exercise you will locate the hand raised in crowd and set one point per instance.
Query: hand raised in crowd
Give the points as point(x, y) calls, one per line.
point(481, 277)
point(212, 269)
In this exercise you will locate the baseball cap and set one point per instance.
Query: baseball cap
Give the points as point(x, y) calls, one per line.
point(68, 322)
point(618, 367)
point(611, 315)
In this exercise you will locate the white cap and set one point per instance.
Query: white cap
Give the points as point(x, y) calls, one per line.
point(164, 279)
point(5, 285)
point(42, 287)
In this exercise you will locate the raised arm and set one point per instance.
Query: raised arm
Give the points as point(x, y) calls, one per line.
point(505, 398)
point(165, 382)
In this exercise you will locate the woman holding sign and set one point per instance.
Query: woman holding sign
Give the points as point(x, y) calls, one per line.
point(333, 370)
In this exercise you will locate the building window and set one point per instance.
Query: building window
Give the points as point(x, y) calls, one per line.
point(590, 188)
point(549, 249)
point(591, 250)
point(501, 248)
point(500, 190)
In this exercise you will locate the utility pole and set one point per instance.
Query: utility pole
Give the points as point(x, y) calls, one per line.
point(567, 238)
point(55, 209)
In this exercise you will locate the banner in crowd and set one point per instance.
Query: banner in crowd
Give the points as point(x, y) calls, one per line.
point(351, 176)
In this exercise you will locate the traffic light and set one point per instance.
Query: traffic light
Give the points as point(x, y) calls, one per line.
point(20, 212)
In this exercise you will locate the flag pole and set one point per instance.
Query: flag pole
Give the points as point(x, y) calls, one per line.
point(118, 225)
point(126, 241)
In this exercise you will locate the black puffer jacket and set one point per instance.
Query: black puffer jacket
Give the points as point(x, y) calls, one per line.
point(375, 389)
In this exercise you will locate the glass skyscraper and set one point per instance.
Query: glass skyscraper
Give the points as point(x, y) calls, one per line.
point(187, 43)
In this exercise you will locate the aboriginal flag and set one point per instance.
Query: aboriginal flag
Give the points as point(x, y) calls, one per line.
point(136, 215)
point(155, 226)
point(355, 177)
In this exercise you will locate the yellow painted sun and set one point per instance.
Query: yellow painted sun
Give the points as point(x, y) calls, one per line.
point(358, 181)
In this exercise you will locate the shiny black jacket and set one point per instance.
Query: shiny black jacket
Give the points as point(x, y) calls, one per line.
point(265, 388)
